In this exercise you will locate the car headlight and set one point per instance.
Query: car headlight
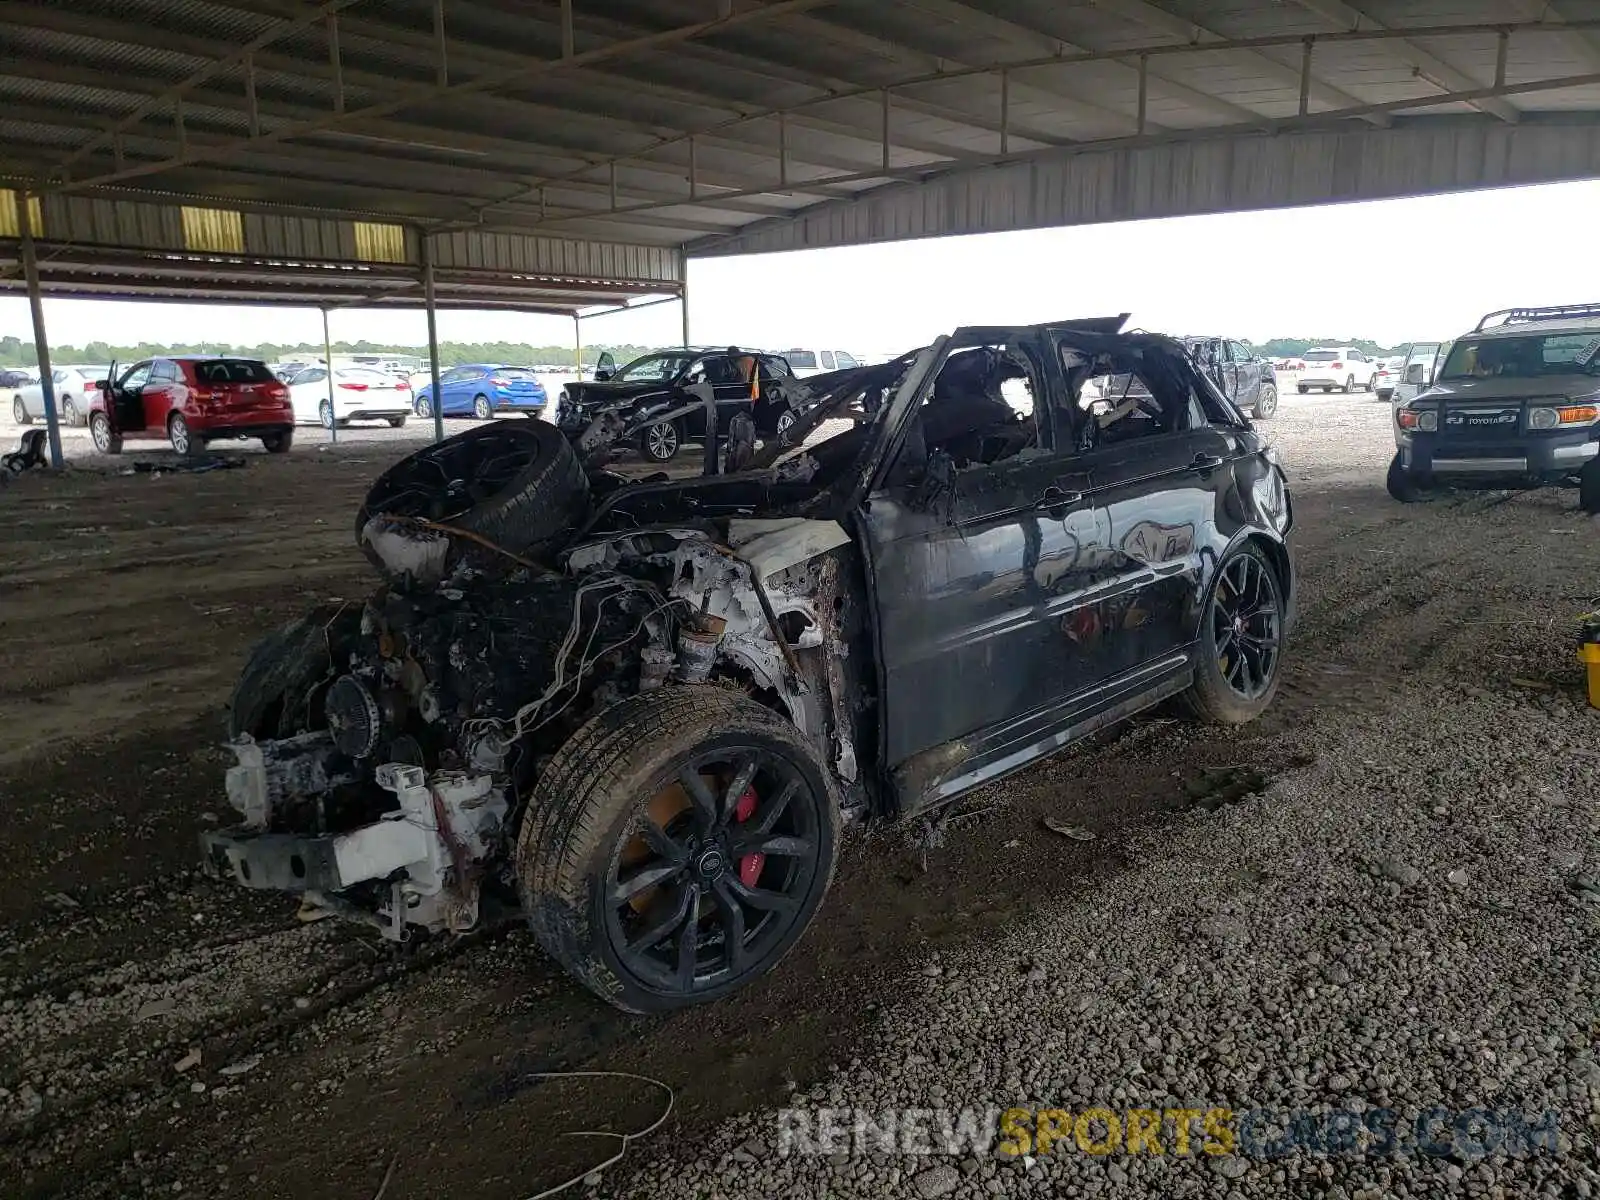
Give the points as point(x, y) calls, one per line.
point(1543, 418)
point(1420, 420)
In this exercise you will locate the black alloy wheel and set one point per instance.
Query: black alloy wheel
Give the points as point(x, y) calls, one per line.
point(700, 901)
point(1245, 623)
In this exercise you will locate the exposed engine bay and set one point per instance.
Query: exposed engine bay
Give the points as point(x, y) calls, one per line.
point(390, 787)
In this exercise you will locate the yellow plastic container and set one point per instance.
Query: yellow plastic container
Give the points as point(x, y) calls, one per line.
point(1589, 655)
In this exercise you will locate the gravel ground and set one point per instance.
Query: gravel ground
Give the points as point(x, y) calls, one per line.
point(1377, 896)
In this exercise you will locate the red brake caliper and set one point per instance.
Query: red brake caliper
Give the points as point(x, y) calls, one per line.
point(750, 865)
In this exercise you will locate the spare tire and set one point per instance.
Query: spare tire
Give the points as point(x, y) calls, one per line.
point(519, 487)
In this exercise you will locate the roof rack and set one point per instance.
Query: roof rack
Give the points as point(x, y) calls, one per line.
point(1514, 316)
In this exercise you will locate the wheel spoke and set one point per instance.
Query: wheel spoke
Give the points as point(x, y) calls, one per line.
point(689, 941)
point(643, 880)
point(767, 816)
point(656, 838)
point(731, 914)
point(705, 804)
point(782, 844)
point(738, 786)
point(688, 897)
point(760, 898)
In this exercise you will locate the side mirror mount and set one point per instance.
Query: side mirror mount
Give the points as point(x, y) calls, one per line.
point(1415, 373)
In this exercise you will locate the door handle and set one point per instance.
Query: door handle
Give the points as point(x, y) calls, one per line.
point(1206, 462)
point(1055, 502)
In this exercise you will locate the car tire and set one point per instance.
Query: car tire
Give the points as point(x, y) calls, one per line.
point(280, 442)
point(1349, 384)
point(185, 442)
point(1302, 388)
point(482, 409)
point(1402, 484)
point(1589, 487)
point(423, 407)
point(537, 499)
point(325, 414)
point(273, 697)
point(1240, 642)
point(581, 844)
point(1327, 389)
point(660, 442)
point(19, 412)
point(106, 441)
point(1266, 402)
point(69, 412)
point(397, 422)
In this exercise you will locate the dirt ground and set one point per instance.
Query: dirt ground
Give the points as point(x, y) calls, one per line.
point(163, 1033)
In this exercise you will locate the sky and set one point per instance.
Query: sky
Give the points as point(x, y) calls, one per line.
point(1390, 270)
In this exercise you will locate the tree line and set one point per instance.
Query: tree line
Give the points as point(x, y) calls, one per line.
point(1294, 347)
point(15, 352)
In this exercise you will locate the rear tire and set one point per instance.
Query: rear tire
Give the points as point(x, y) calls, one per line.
point(1589, 487)
point(423, 407)
point(69, 412)
point(481, 408)
point(19, 412)
point(611, 809)
point(1349, 384)
point(1302, 388)
point(279, 443)
point(185, 442)
point(1240, 641)
point(105, 441)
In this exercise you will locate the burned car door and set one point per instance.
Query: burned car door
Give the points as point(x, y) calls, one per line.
point(1161, 471)
point(979, 571)
point(1246, 374)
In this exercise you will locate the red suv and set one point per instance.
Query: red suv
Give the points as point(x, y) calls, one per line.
point(191, 401)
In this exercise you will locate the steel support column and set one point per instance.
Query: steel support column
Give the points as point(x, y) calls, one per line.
point(30, 271)
point(433, 336)
point(683, 294)
point(327, 363)
point(577, 345)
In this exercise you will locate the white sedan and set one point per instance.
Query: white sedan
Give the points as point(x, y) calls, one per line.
point(359, 394)
point(75, 387)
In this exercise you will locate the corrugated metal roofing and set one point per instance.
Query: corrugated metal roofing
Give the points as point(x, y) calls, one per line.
point(671, 126)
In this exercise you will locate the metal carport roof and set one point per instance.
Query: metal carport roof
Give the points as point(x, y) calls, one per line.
point(726, 125)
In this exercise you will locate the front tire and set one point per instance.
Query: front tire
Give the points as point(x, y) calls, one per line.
point(106, 440)
point(660, 442)
point(1589, 487)
point(1240, 641)
point(1266, 402)
point(1302, 388)
point(677, 847)
point(481, 408)
point(396, 422)
point(19, 412)
point(1402, 484)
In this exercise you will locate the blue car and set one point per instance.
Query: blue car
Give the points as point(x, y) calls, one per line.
point(484, 389)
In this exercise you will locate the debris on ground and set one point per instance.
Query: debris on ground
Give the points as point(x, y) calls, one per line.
point(1076, 832)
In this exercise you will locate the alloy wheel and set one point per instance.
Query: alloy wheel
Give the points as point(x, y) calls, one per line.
point(325, 414)
point(481, 409)
point(661, 441)
point(714, 876)
point(1246, 624)
point(178, 431)
point(100, 431)
point(19, 413)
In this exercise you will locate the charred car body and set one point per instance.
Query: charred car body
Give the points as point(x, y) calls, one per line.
point(641, 712)
point(658, 402)
point(1240, 374)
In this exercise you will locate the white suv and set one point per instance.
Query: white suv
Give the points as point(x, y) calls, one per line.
point(817, 362)
point(1342, 367)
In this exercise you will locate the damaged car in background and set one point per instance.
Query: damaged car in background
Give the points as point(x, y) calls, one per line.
point(658, 403)
point(640, 713)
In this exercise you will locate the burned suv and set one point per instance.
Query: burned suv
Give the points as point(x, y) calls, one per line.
point(1516, 401)
point(639, 713)
point(1240, 374)
point(660, 401)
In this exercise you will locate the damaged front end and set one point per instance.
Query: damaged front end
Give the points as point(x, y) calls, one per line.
point(387, 757)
